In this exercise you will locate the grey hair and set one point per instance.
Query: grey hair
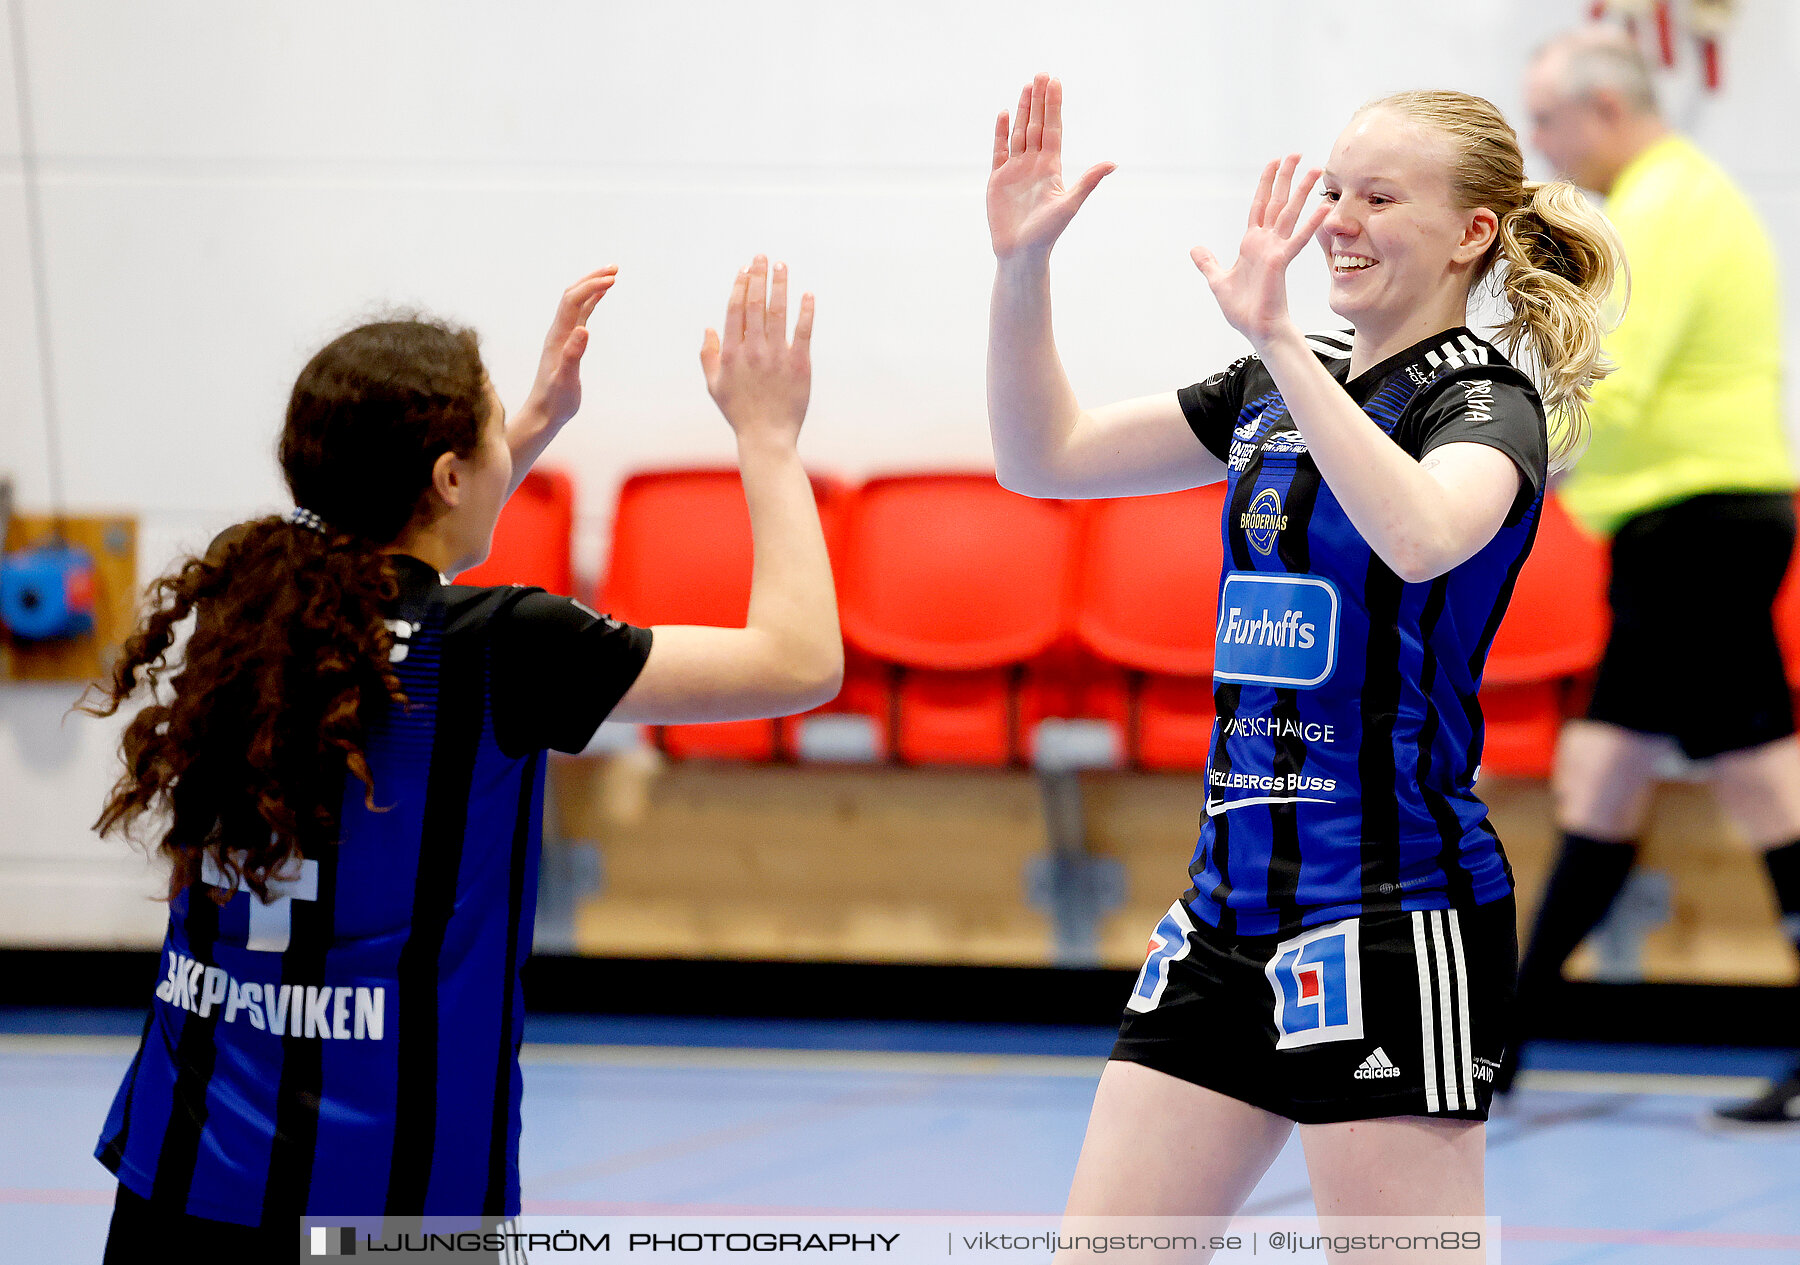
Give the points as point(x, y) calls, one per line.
point(1602, 58)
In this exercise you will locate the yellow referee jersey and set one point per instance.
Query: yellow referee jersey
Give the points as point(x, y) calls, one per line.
point(1695, 403)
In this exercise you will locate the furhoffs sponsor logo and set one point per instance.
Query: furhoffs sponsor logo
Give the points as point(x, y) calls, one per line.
point(1276, 630)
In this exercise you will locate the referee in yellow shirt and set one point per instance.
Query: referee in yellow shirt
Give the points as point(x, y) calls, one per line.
point(1689, 475)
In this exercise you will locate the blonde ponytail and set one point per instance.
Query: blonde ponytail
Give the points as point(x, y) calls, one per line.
point(1562, 256)
point(1562, 261)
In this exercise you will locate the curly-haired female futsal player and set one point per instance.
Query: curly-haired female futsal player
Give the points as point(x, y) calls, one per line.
point(346, 768)
point(1344, 956)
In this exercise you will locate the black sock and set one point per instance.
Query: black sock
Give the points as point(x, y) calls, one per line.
point(1784, 871)
point(1588, 876)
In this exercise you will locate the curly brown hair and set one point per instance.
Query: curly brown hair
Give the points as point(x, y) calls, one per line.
point(287, 664)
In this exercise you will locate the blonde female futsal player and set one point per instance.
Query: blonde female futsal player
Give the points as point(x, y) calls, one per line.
point(1344, 956)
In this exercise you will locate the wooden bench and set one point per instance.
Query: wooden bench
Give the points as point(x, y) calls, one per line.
point(929, 865)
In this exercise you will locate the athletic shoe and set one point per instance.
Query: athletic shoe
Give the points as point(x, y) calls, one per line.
point(1778, 1108)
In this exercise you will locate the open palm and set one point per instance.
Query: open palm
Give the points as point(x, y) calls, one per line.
point(1027, 204)
point(556, 391)
point(1252, 293)
point(759, 380)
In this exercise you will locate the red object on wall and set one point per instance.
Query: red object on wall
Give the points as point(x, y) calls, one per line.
point(1709, 60)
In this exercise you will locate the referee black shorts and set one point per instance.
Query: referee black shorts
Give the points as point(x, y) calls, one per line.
point(1391, 1014)
point(1692, 652)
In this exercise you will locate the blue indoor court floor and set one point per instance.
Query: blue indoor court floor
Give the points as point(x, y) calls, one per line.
point(1600, 1155)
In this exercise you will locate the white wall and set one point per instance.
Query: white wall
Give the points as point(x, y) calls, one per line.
point(226, 185)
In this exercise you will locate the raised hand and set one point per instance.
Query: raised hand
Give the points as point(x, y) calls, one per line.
point(556, 392)
point(758, 379)
point(1028, 207)
point(1252, 293)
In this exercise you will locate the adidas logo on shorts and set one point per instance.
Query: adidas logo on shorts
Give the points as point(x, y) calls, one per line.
point(1376, 1067)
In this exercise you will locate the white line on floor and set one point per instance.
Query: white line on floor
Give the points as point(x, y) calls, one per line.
point(923, 1063)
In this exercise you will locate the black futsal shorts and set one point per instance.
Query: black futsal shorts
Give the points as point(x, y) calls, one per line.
point(1393, 1014)
point(1692, 653)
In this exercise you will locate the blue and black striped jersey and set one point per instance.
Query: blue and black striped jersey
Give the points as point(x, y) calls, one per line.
point(350, 1048)
point(1348, 733)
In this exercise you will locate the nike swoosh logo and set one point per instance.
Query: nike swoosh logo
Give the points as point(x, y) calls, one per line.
point(1215, 807)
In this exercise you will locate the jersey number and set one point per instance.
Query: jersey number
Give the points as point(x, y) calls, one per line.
point(1168, 943)
point(271, 925)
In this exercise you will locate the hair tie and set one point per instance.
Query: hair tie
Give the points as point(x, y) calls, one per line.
point(301, 517)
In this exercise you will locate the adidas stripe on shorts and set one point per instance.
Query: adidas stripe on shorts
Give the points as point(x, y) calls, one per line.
point(1388, 1014)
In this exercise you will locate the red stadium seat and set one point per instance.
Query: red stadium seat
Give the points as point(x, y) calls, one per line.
point(956, 584)
point(1787, 616)
point(1556, 623)
point(680, 549)
point(1148, 596)
point(681, 554)
point(533, 539)
point(1147, 602)
point(1174, 722)
point(1554, 631)
point(1521, 723)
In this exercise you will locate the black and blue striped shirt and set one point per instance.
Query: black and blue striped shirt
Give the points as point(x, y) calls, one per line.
point(350, 1049)
point(1348, 733)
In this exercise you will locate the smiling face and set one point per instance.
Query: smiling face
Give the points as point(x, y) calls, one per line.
point(1398, 246)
